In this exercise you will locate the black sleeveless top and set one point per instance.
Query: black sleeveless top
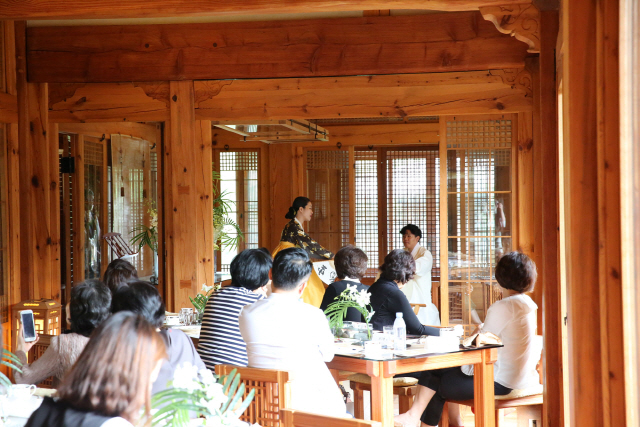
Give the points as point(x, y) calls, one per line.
point(54, 413)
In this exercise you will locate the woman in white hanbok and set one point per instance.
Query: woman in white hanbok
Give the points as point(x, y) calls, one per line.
point(418, 290)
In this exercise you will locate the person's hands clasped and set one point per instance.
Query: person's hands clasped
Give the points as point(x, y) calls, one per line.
point(21, 344)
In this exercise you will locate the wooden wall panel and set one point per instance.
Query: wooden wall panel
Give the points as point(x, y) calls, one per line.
point(494, 91)
point(189, 220)
point(87, 9)
point(426, 43)
point(148, 132)
point(78, 197)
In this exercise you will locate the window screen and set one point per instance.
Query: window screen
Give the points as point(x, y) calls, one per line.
point(328, 189)
point(479, 199)
point(239, 180)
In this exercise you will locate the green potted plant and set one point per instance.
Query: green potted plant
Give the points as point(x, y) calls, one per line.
point(225, 230)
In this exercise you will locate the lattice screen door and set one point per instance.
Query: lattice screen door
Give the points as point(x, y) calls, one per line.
point(476, 212)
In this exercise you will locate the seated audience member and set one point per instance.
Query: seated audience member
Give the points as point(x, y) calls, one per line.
point(286, 334)
point(110, 382)
point(118, 274)
point(387, 298)
point(143, 298)
point(513, 319)
point(351, 266)
point(89, 306)
point(220, 339)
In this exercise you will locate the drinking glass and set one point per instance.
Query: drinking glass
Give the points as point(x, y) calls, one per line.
point(186, 314)
point(388, 336)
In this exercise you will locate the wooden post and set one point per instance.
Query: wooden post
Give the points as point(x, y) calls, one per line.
point(38, 192)
point(592, 172)
point(188, 202)
point(549, 256)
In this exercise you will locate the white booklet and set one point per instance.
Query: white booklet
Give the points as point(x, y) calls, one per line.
point(325, 271)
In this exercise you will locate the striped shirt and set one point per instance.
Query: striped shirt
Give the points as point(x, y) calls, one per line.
point(220, 339)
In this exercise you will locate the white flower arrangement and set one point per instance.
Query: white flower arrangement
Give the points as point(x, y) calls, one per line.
point(350, 298)
point(198, 393)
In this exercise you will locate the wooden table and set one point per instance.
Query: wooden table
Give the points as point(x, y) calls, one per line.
point(382, 372)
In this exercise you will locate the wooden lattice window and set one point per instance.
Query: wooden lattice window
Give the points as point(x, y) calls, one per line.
point(328, 188)
point(239, 182)
point(479, 210)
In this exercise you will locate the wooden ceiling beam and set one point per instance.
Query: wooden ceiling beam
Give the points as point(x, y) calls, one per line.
point(109, 9)
point(478, 92)
point(429, 43)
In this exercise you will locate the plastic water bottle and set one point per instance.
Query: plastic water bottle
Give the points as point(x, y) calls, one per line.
point(399, 333)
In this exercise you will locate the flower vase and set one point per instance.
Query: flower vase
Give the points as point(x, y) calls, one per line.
point(154, 276)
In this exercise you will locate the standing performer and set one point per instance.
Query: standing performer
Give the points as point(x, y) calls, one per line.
point(294, 235)
point(418, 290)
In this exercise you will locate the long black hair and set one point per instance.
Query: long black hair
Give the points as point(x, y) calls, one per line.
point(299, 202)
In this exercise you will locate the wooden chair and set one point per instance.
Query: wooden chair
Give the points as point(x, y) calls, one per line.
point(403, 387)
point(291, 418)
point(416, 307)
point(273, 393)
point(527, 403)
point(119, 245)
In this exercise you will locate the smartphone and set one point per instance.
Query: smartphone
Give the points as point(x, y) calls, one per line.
point(28, 325)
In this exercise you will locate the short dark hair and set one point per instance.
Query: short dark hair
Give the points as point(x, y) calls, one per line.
point(398, 266)
point(299, 202)
point(351, 262)
point(89, 306)
point(414, 229)
point(141, 298)
point(250, 269)
point(517, 272)
point(119, 273)
point(291, 267)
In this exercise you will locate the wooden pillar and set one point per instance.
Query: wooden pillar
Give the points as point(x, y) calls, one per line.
point(283, 186)
point(188, 200)
point(592, 174)
point(39, 199)
point(549, 226)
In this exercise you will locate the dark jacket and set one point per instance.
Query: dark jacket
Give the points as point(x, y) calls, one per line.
point(335, 289)
point(54, 413)
point(387, 300)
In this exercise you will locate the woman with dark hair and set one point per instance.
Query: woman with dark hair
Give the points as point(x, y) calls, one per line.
point(351, 266)
point(89, 306)
point(513, 319)
point(387, 298)
point(294, 235)
point(143, 299)
point(118, 273)
point(220, 340)
point(110, 382)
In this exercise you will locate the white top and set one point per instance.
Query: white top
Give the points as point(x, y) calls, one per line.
point(513, 319)
point(117, 422)
point(418, 289)
point(288, 335)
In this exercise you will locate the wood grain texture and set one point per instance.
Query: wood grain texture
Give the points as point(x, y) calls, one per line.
point(478, 92)
point(109, 102)
point(148, 132)
point(87, 9)
point(460, 41)
point(483, 391)
point(8, 108)
point(78, 209)
point(551, 293)
point(36, 187)
point(281, 185)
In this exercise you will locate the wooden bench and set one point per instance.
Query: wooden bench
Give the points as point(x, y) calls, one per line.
point(403, 387)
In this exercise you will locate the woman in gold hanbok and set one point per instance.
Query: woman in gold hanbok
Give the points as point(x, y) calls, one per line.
point(294, 235)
